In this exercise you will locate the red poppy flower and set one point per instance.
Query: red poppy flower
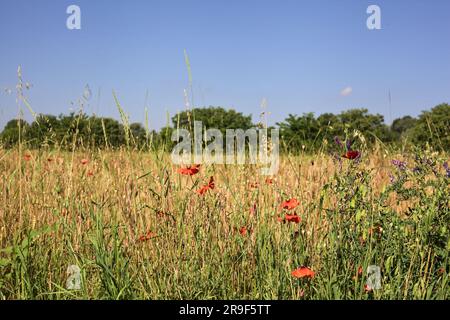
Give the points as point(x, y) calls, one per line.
point(303, 272)
point(360, 271)
point(290, 204)
point(27, 157)
point(269, 181)
point(352, 155)
point(367, 288)
point(207, 187)
point(243, 231)
point(90, 173)
point(84, 161)
point(293, 218)
point(147, 236)
point(189, 171)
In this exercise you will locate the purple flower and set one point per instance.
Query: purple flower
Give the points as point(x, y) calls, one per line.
point(399, 164)
point(447, 169)
point(391, 178)
point(349, 145)
point(338, 141)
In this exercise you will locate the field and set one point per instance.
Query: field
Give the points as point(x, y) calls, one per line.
point(139, 229)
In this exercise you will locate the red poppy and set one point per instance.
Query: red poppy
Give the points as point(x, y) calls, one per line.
point(290, 204)
point(367, 288)
point(84, 161)
point(147, 236)
point(27, 157)
point(207, 187)
point(243, 231)
point(269, 180)
point(189, 171)
point(303, 272)
point(293, 218)
point(360, 271)
point(352, 155)
point(90, 173)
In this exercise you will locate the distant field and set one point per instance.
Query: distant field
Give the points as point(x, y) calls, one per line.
point(139, 229)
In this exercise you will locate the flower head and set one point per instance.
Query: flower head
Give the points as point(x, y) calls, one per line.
point(206, 187)
point(447, 170)
point(352, 155)
point(190, 170)
point(399, 164)
point(303, 272)
point(290, 204)
point(293, 218)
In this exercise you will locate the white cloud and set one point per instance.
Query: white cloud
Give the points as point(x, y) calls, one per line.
point(347, 91)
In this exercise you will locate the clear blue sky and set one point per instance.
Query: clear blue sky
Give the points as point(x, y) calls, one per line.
point(299, 55)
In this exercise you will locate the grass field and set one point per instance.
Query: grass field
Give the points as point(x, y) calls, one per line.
point(138, 229)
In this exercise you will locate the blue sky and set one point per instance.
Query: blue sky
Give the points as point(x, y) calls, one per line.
point(299, 55)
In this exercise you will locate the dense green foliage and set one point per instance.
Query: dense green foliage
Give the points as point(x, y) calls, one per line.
point(297, 132)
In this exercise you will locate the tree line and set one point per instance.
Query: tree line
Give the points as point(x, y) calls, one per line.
point(297, 132)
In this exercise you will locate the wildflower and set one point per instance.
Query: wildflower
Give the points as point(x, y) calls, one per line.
point(399, 164)
point(303, 272)
point(391, 178)
point(84, 161)
point(243, 231)
point(367, 288)
point(290, 204)
point(293, 218)
point(90, 173)
point(358, 273)
point(447, 170)
point(352, 155)
point(147, 236)
point(27, 157)
point(338, 141)
point(206, 187)
point(269, 181)
point(348, 145)
point(189, 171)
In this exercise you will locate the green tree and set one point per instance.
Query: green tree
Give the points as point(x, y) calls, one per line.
point(433, 127)
point(10, 134)
point(213, 117)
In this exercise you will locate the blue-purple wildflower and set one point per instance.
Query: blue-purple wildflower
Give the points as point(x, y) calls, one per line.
point(447, 170)
point(399, 164)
